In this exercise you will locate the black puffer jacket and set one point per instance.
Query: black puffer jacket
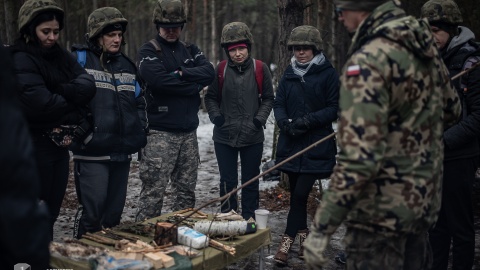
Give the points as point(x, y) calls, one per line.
point(315, 97)
point(240, 104)
point(462, 139)
point(23, 221)
point(55, 101)
point(172, 102)
point(117, 130)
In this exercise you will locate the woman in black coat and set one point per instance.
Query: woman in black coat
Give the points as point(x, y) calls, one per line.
point(53, 91)
point(305, 106)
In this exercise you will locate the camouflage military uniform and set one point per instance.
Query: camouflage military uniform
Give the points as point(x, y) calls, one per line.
point(395, 100)
point(174, 72)
point(158, 166)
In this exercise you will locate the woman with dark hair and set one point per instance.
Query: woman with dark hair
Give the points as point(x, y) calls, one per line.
point(53, 91)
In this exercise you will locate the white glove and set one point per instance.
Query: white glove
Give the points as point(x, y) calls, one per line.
point(315, 245)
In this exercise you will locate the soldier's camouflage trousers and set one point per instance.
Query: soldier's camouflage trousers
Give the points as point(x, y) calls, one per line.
point(168, 156)
point(367, 250)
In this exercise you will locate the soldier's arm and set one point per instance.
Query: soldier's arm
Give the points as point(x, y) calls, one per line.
point(361, 137)
point(158, 79)
point(203, 73)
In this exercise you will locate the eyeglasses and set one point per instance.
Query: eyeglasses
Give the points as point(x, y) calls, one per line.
point(338, 12)
point(302, 48)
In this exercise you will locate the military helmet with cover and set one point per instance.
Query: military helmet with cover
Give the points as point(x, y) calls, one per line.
point(32, 8)
point(236, 32)
point(101, 18)
point(305, 35)
point(169, 13)
point(445, 11)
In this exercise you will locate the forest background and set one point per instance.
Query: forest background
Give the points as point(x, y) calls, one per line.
point(269, 20)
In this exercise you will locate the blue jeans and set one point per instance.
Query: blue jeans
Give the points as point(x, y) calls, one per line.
point(250, 159)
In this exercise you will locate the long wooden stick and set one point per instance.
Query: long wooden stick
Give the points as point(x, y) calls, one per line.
point(253, 179)
point(465, 71)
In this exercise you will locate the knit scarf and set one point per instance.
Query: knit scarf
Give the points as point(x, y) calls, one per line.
point(301, 69)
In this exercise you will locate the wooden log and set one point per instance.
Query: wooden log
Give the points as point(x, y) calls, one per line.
point(165, 233)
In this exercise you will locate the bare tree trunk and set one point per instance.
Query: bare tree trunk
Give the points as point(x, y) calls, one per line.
point(213, 49)
point(11, 20)
point(205, 26)
point(3, 28)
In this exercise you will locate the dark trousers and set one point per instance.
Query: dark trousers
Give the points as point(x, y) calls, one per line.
point(300, 187)
point(455, 221)
point(52, 163)
point(101, 190)
point(250, 159)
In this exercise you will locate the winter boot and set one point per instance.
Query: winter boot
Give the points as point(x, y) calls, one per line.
point(282, 253)
point(302, 236)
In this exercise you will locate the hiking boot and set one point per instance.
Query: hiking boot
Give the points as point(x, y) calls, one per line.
point(302, 236)
point(282, 254)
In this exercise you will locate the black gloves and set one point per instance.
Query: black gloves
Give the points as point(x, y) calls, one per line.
point(301, 123)
point(257, 123)
point(296, 128)
point(219, 121)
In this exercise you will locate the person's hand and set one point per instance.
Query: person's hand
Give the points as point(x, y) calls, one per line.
point(292, 131)
point(301, 123)
point(314, 246)
point(257, 123)
point(219, 121)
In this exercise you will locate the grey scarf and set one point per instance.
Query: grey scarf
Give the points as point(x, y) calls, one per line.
point(298, 68)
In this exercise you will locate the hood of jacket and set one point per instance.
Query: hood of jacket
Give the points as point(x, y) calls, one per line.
point(390, 21)
point(463, 37)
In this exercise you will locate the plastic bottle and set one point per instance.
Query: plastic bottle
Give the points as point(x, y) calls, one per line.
point(191, 238)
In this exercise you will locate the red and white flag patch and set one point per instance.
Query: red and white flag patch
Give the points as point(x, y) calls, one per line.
point(353, 70)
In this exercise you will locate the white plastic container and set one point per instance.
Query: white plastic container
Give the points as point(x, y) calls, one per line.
point(191, 238)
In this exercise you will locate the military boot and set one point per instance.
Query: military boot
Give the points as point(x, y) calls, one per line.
point(302, 236)
point(282, 254)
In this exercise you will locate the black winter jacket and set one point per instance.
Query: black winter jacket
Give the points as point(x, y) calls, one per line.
point(315, 97)
point(24, 222)
point(48, 104)
point(117, 130)
point(462, 139)
point(240, 104)
point(172, 102)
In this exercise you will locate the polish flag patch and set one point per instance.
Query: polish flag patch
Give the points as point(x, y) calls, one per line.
point(353, 70)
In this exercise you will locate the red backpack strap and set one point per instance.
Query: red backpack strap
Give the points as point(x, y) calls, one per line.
point(258, 68)
point(222, 68)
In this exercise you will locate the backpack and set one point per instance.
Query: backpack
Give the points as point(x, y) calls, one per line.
point(82, 60)
point(222, 68)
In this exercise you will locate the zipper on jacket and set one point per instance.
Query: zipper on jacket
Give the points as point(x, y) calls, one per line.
point(117, 98)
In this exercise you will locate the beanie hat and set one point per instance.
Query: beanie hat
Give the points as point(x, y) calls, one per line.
point(236, 45)
point(363, 5)
point(451, 29)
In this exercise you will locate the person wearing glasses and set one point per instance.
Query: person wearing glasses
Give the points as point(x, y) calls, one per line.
point(396, 100)
point(305, 106)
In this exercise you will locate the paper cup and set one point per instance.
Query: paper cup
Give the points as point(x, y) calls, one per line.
point(261, 218)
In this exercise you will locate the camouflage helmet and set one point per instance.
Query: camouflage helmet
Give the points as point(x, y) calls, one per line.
point(169, 13)
point(442, 11)
point(103, 17)
point(31, 8)
point(235, 32)
point(305, 35)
